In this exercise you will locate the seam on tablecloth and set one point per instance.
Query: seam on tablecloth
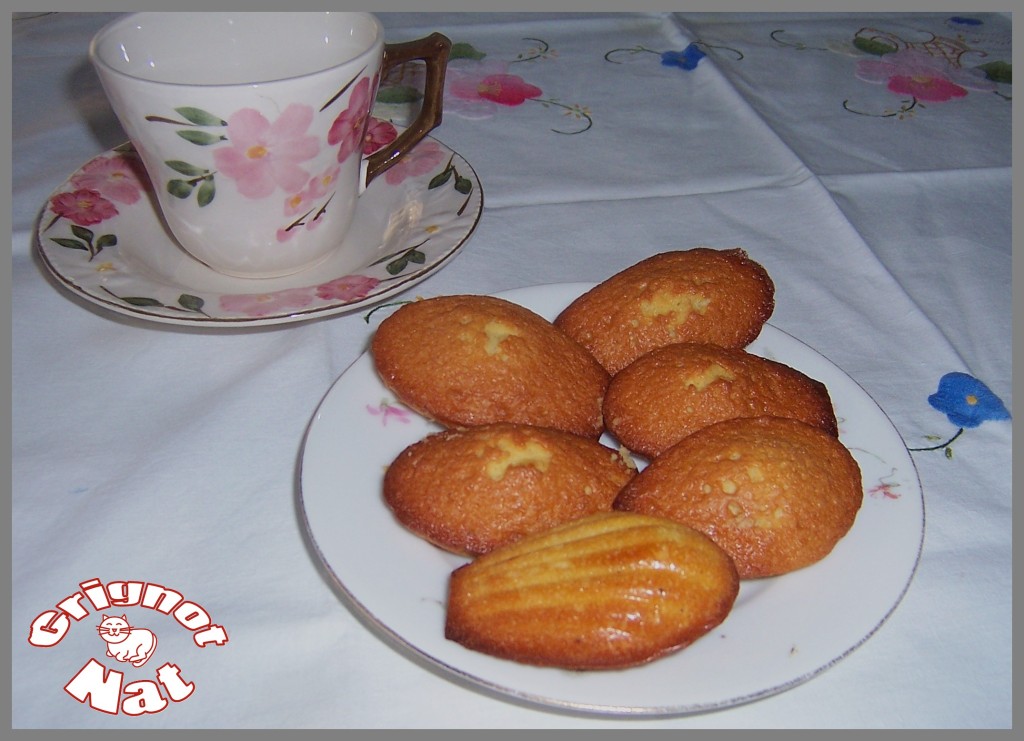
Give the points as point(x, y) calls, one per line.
point(647, 195)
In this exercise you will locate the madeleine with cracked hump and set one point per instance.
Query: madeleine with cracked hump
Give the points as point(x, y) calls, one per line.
point(468, 360)
point(697, 295)
point(607, 591)
point(473, 490)
point(777, 494)
point(668, 393)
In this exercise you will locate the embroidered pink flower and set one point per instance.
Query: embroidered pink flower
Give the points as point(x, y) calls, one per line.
point(475, 89)
point(350, 125)
point(84, 206)
point(299, 203)
point(262, 156)
point(423, 158)
point(920, 75)
point(262, 304)
point(348, 288)
point(378, 134)
point(117, 178)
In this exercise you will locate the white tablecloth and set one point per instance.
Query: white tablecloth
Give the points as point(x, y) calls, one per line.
point(864, 160)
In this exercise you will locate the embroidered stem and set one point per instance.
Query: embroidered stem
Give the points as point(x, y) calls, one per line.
point(940, 446)
point(634, 50)
point(570, 110)
point(907, 107)
point(706, 45)
point(793, 44)
point(537, 53)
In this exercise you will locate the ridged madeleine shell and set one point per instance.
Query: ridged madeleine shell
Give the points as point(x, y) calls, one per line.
point(607, 591)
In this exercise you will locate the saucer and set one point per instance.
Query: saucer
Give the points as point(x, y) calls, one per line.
point(102, 236)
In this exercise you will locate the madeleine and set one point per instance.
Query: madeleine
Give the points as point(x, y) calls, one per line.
point(470, 360)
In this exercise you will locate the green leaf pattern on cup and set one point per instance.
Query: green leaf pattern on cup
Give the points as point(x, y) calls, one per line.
point(306, 200)
point(198, 180)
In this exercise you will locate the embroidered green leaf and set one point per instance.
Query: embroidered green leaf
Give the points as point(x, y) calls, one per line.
point(873, 46)
point(185, 168)
point(140, 301)
point(462, 50)
point(82, 233)
point(202, 138)
point(107, 240)
point(998, 71)
point(179, 188)
point(398, 94)
point(73, 244)
point(190, 302)
point(206, 192)
point(200, 117)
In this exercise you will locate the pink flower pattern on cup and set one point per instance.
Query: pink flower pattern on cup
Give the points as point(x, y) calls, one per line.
point(350, 125)
point(306, 206)
point(378, 134)
point(261, 156)
point(264, 157)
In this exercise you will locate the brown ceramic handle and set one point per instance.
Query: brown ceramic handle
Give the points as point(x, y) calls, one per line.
point(434, 51)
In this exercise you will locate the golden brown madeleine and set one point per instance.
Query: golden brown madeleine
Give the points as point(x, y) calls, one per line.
point(777, 494)
point(473, 490)
point(665, 395)
point(697, 295)
point(606, 591)
point(470, 360)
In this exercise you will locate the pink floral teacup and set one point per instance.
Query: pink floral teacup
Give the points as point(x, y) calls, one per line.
point(251, 125)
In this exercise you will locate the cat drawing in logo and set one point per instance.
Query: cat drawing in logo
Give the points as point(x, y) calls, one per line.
point(125, 643)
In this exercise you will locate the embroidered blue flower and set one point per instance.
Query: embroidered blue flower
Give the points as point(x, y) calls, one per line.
point(966, 401)
point(687, 59)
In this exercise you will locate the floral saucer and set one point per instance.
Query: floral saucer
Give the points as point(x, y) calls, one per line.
point(102, 236)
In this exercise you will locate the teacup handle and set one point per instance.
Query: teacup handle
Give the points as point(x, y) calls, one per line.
point(434, 51)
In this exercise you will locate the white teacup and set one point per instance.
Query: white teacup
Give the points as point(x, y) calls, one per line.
point(251, 125)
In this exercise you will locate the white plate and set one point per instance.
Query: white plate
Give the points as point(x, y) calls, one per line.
point(402, 232)
point(782, 631)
